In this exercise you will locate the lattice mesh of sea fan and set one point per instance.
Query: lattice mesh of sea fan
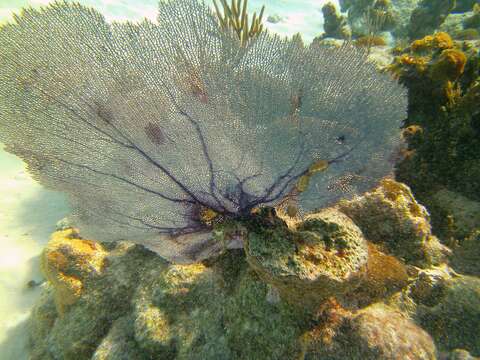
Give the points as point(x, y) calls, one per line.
point(145, 125)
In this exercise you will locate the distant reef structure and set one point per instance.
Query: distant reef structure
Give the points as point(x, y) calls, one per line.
point(397, 20)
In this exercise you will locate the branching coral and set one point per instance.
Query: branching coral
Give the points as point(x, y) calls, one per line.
point(236, 19)
point(157, 131)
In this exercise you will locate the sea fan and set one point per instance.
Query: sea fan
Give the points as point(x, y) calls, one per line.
point(148, 127)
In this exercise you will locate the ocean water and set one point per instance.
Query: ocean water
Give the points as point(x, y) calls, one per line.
point(29, 212)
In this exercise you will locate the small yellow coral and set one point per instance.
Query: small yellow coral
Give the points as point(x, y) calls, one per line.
point(419, 62)
point(422, 44)
point(412, 131)
point(67, 261)
point(449, 66)
point(440, 40)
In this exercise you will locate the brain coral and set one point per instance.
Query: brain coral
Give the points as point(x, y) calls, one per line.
point(149, 128)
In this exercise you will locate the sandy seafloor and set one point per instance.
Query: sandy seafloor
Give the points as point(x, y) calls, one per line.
point(28, 212)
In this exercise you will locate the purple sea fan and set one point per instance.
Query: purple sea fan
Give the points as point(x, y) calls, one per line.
point(145, 126)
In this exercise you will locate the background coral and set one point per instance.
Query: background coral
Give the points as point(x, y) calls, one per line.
point(428, 16)
point(335, 25)
point(442, 77)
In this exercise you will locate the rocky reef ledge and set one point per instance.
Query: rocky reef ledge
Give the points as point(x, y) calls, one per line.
point(364, 280)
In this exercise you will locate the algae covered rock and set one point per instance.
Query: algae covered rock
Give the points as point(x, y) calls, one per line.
point(385, 275)
point(326, 255)
point(466, 255)
point(428, 16)
point(140, 307)
point(447, 305)
point(453, 317)
point(189, 313)
point(390, 216)
point(119, 343)
point(442, 76)
point(376, 332)
point(284, 297)
point(460, 354)
point(103, 295)
point(464, 212)
point(370, 17)
point(67, 262)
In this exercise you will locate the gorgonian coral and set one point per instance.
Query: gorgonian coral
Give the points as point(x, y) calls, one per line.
point(151, 127)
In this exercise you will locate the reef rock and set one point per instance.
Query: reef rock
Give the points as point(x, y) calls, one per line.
point(460, 354)
point(75, 331)
point(464, 212)
point(447, 305)
point(140, 307)
point(326, 255)
point(453, 315)
point(390, 216)
point(466, 255)
point(370, 17)
point(273, 300)
point(376, 332)
point(428, 16)
point(67, 262)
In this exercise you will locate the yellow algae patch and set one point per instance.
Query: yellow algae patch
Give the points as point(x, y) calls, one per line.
point(67, 261)
point(440, 40)
point(303, 182)
point(450, 65)
point(317, 166)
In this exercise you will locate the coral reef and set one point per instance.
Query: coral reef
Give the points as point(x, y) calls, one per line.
point(335, 25)
point(310, 288)
point(428, 16)
point(391, 217)
point(142, 307)
point(239, 139)
point(235, 18)
point(326, 255)
point(371, 333)
point(442, 77)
